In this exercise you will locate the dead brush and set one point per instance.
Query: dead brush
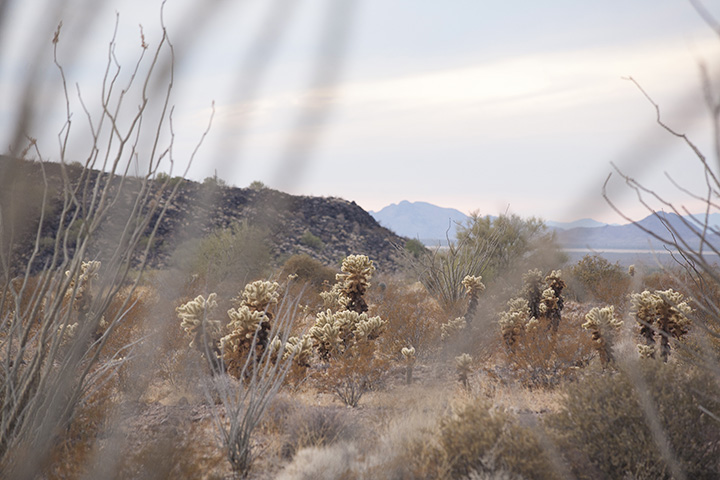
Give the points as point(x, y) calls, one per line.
point(413, 318)
point(476, 438)
point(541, 359)
point(316, 427)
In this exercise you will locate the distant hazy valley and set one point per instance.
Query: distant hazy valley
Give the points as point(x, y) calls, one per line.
point(433, 225)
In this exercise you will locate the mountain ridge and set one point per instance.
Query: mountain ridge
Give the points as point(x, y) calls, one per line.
point(429, 223)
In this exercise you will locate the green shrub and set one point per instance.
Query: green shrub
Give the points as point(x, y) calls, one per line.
point(603, 424)
point(415, 247)
point(595, 278)
point(312, 241)
point(214, 182)
point(238, 253)
point(257, 185)
point(308, 270)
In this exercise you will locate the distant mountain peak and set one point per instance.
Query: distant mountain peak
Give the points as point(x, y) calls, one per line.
point(423, 220)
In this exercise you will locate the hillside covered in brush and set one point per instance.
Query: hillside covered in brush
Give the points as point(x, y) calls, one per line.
point(326, 228)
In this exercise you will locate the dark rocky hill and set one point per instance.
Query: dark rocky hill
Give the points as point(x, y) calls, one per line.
point(324, 228)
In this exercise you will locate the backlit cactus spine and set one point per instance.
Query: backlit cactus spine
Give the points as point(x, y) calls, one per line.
point(602, 322)
point(663, 312)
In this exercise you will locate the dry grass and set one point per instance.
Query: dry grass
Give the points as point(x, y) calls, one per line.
point(157, 419)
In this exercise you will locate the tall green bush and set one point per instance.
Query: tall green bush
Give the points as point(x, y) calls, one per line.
point(238, 253)
point(645, 423)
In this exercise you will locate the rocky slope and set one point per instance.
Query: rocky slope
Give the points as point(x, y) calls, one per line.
point(325, 228)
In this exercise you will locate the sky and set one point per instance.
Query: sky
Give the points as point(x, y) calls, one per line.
point(489, 106)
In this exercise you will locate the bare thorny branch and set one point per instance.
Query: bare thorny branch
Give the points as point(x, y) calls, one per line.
point(693, 239)
point(45, 373)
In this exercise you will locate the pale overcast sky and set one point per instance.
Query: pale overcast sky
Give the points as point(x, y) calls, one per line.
point(475, 105)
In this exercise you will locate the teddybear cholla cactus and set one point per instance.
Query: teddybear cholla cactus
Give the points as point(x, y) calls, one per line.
point(552, 301)
point(250, 324)
point(196, 320)
point(449, 329)
point(473, 288)
point(513, 321)
point(336, 333)
point(357, 270)
point(664, 312)
point(601, 322)
point(79, 292)
point(408, 354)
point(541, 300)
point(463, 367)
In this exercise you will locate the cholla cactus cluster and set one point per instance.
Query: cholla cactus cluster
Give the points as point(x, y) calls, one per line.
point(449, 329)
point(552, 302)
point(513, 322)
point(602, 323)
point(80, 292)
point(353, 282)
point(336, 333)
point(463, 367)
point(259, 295)
point(81, 285)
point(473, 288)
point(249, 323)
point(663, 312)
point(301, 349)
point(532, 291)
point(541, 300)
point(196, 319)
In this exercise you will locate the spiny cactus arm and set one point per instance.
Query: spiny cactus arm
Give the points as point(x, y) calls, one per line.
point(194, 312)
point(260, 295)
point(244, 321)
point(463, 367)
point(408, 353)
point(473, 284)
point(368, 328)
point(450, 328)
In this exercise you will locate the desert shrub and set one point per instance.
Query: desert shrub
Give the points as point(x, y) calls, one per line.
point(257, 185)
point(517, 241)
point(474, 437)
point(236, 254)
point(315, 427)
point(413, 319)
point(415, 247)
point(605, 424)
point(595, 278)
point(312, 241)
point(214, 183)
point(71, 453)
point(541, 359)
point(308, 270)
point(442, 272)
